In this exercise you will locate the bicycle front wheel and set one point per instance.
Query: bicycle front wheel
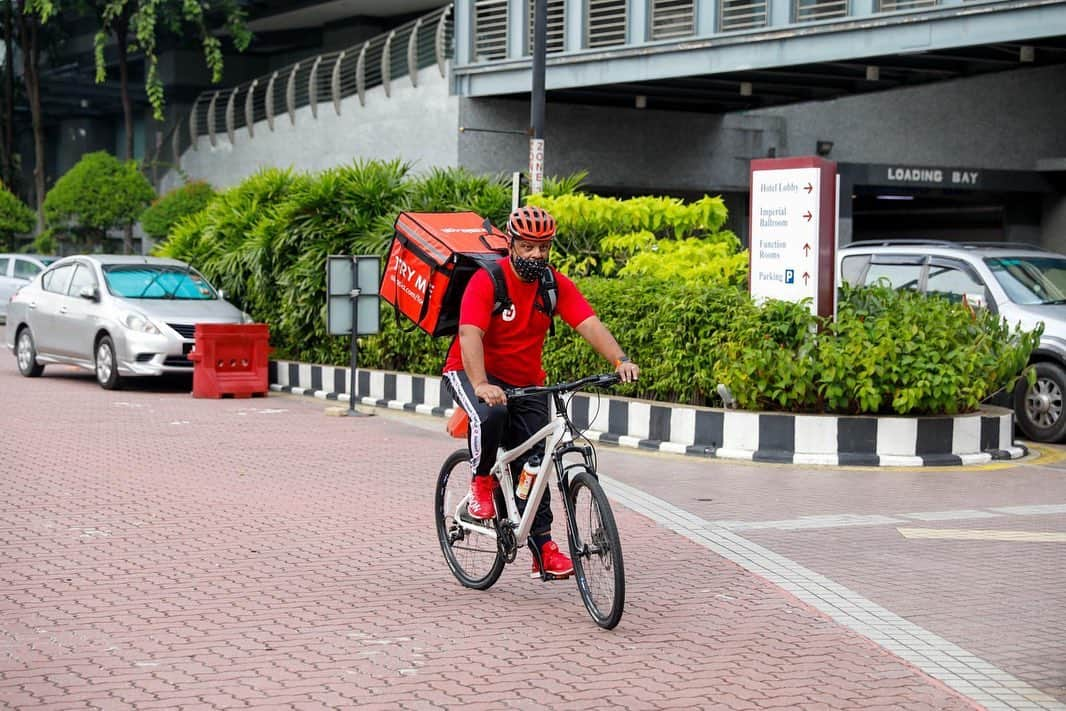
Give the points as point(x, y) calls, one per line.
point(474, 559)
point(596, 550)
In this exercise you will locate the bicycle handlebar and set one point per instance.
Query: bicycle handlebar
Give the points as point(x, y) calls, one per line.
point(601, 381)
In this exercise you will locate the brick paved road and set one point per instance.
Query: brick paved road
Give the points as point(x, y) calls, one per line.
point(1002, 600)
point(166, 552)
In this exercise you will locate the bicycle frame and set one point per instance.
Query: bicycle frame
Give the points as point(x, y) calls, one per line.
point(554, 434)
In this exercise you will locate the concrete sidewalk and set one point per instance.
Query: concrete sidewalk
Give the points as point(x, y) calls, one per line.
point(165, 552)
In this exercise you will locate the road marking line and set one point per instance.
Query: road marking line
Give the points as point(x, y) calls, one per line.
point(848, 519)
point(960, 534)
point(943, 660)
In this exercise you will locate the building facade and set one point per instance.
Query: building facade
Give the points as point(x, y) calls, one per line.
point(944, 116)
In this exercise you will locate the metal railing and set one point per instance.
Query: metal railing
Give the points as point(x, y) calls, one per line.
point(321, 80)
point(328, 78)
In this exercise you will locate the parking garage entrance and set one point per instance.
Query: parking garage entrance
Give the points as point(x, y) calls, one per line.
point(961, 204)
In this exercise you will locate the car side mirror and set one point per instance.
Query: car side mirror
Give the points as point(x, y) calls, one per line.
point(89, 292)
point(221, 293)
point(977, 301)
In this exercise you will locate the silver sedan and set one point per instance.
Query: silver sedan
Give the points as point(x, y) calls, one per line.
point(116, 315)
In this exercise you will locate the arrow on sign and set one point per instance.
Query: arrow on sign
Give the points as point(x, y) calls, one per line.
point(807, 215)
point(809, 188)
point(806, 276)
point(806, 250)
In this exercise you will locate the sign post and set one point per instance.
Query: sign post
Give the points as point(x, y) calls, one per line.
point(792, 246)
point(537, 98)
point(352, 291)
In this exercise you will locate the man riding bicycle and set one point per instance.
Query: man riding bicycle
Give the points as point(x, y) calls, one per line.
point(499, 350)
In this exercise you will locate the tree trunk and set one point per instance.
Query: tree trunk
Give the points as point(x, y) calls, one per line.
point(31, 57)
point(121, 27)
point(9, 100)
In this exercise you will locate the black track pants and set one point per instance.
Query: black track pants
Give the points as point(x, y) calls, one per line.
point(503, 425)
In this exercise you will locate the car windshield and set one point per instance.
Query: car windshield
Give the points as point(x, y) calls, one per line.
point(1031, 280)
point(157, 281)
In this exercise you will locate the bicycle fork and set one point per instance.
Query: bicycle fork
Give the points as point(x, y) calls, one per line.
point(578, 547)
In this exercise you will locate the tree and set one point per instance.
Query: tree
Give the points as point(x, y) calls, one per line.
point(176, 205)
point(145, 19)
point(30, 18)
point(7, 169)
point(98, 194)
point(15, 217)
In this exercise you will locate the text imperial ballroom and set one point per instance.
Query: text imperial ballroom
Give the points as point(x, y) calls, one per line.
point(773, 217)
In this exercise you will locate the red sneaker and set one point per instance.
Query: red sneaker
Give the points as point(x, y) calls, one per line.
point(555, 563)
point(481, 505)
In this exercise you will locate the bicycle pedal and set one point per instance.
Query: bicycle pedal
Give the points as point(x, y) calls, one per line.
point(464, 514)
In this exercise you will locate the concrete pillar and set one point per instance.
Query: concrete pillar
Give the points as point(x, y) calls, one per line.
point(1053, 233)
point(862, 8)
point(780, 13)
point(574, 25)
point(81, 136)
point(464, 31)
point(706, 17)
point(518, 14)
point(638, 21)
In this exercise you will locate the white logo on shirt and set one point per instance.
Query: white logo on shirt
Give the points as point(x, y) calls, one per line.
point(508, 314)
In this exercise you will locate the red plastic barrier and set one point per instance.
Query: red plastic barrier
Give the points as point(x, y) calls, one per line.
point(230, 359)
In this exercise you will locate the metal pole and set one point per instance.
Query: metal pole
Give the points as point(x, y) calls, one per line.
point(354, 296)
point(536, 131)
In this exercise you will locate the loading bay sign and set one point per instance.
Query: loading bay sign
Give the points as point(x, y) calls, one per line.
point(793, 231)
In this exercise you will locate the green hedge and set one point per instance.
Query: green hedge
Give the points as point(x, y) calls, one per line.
point(674, 295)
point(887, 352)
point(166, 211)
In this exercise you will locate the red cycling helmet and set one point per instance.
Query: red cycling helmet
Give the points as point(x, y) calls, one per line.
point(531, 223)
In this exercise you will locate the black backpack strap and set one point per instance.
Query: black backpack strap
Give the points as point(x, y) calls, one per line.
point(549, 296)
point(501, 300)
point(549, 292)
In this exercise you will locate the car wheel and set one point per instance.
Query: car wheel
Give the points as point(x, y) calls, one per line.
point(107, 365)
point(26, 355)
point(1041, 408)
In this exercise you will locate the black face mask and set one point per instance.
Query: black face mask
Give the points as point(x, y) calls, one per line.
point(529, 269)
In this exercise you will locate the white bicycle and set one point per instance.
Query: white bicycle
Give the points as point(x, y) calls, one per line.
point(478, 550)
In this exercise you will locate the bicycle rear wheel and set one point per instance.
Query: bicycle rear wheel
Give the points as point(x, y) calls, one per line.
point(474, 559)
point(596, 551)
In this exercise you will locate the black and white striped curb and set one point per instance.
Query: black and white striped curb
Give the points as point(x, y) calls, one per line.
point(683, 429)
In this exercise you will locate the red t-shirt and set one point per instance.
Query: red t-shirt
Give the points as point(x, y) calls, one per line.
point(514, 339)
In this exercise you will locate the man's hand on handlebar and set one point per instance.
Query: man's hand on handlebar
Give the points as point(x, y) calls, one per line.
point(628, 371)
point(490, 394)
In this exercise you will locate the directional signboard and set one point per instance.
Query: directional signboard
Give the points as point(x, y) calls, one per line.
point(793, 239)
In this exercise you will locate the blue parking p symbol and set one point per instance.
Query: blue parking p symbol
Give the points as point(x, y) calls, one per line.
point(790, 276)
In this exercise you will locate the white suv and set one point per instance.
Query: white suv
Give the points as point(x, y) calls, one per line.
point(15, 271)
point(1023, 283)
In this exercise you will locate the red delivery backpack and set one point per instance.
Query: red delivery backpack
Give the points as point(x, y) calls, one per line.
point(432, 257)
